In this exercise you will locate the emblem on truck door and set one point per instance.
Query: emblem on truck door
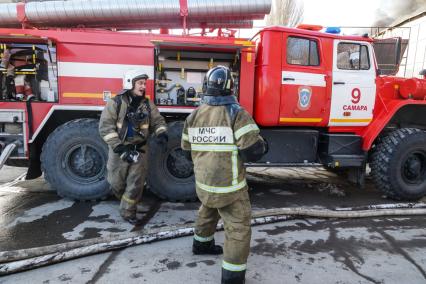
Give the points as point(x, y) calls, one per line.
point(305, 94)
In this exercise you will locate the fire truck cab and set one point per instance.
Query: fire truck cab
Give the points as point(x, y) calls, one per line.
point(316, 90)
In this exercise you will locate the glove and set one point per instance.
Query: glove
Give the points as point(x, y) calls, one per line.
point(121, 148)
point(127, 153)
point(254, 152)
point(162, 139)
point(130, 157)
point(265, 145)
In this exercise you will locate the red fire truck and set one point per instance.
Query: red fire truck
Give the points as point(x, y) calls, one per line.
point(319, 98)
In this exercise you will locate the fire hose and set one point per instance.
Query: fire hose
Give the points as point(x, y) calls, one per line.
point(20, 260)
point(6, 151)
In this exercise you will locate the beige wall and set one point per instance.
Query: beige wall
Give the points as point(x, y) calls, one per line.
point(415, 57)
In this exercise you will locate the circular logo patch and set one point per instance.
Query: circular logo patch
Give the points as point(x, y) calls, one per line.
point(305, 94)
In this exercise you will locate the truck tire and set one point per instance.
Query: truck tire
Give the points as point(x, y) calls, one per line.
point(73, 160)
point(170, 174)
point(398, 164)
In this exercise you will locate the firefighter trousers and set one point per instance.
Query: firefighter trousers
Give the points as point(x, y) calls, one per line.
point(127, 181)
point(236, 217)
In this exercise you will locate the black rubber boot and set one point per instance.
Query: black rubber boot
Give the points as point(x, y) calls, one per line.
point(116, 193)
point(135, 221)
point(206, 248)
point(233, 277)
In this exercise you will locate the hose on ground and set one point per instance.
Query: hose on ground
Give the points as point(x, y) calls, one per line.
point(6, 151)
point(20, 260)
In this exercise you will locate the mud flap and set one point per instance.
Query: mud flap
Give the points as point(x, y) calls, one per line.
point(34, 167)
point(357, 176)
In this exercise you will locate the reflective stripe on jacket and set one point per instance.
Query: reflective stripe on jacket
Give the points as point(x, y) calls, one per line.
point(214, 141)
point(112, 122)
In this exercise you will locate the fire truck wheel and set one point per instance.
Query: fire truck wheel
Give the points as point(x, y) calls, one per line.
point(171, 174)
point(398, 164)
point(74, 159)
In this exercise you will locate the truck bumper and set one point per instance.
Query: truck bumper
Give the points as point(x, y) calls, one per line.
point(344, 161)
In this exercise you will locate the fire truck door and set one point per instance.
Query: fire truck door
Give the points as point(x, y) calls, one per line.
point(303, 84)
point(353, 84)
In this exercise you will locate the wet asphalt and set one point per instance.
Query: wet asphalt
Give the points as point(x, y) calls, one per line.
point(33, 215)
point(32, 208)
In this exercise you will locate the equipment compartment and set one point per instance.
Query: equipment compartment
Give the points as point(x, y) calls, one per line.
point(179, 74)
point(28, 70)
point(12, 130)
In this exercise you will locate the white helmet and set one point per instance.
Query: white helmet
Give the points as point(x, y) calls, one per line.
point(131, 76)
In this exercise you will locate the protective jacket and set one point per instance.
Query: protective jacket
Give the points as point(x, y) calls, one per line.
point(117, 127)
point(129, 120)
point(217, 133)
point(221, 135)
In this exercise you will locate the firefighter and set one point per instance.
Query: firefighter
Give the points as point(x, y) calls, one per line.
point(125, 125)
point(219, 137)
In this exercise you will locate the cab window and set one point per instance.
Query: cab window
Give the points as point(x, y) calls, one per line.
point(352, 56)
point(302, 51)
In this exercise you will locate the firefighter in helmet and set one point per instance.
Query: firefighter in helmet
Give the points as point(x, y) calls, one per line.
point(219, 136)
point(125, 125)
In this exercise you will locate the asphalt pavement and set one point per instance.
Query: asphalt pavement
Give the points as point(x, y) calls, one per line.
point(302, 250)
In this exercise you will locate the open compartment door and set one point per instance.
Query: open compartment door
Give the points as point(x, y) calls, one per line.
point(389, 53)
point(181, 66)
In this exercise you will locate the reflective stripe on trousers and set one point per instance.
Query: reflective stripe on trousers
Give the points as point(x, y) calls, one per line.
point(128, 200)
point(233, 267)
point(203, 239)
point(222, 189)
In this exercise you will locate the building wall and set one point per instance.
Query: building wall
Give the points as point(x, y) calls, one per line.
point(414, 59)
